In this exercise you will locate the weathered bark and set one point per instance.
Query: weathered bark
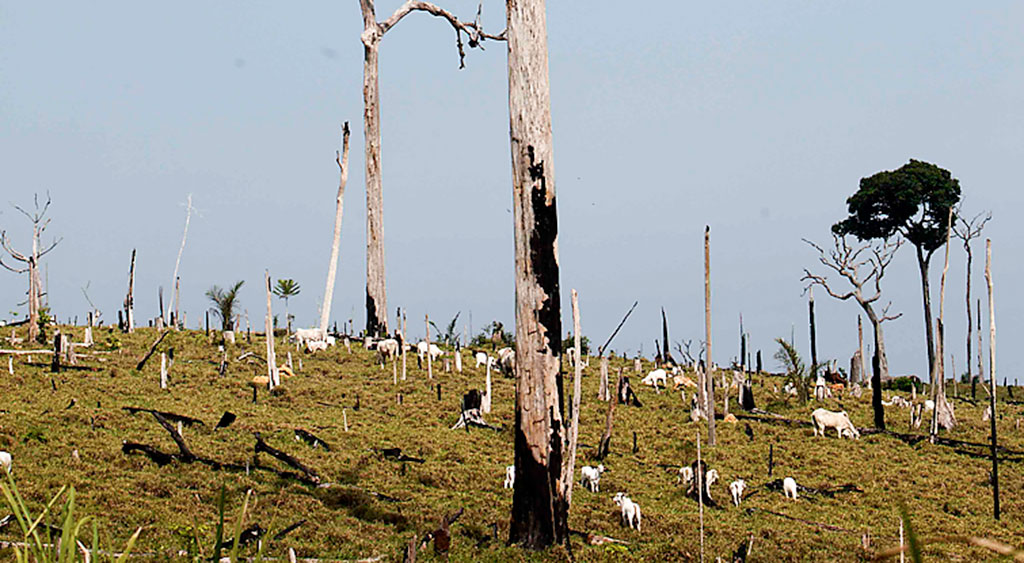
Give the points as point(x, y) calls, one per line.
point(129, 300)
point(539, 511)
point(332, 267)
point(923, 261)
point(942, 414)
point(992, 374)
point(602, 390)
point(970, 325)
point(709, 379)
point(814, 336)
point(569, 466)
point(272, 374)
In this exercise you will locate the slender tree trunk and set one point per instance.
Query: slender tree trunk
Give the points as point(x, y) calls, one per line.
point(376, 291)
point(743, 347)
point(922, 265)
point(129, 300)
point(981, 365)
point(177, 262)
point(430, 357)
point(332, 267)
point(942, 414)
point(814, 338)
point(664, 338)
point(574, 428)
point(992, 374)
point(860, 345)
point(970, 323)
point(539, 511)
point(709, 377)
point(271, 357)
point(880, 367)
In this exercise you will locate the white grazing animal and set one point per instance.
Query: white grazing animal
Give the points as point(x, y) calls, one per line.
point(824, 418)
point(711, 477)
point(505, 352)
point(481, 358)
point(388, 348)
point(685, 475)
point(303, 335)
point(736, 488)
point(510, 476)
point(316, 345)
point(789, 487)
point(929, 405)
point(330, 340)
point(654, 377)
point(421, 351)
point(630, 510)
point(5, 461)
point(591, 477)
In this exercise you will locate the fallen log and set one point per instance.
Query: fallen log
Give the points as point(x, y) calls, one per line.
point(262, 446)
point(185, 420)
point(186, 454)
point(158, 457)
point(310, 439)
point(152, 348)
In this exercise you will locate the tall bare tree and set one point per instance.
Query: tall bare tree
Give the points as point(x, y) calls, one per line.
point(173, 311)
point(709, 372)
point(332, 268)
point(31, 261)
point(942, 414)
point(967, 231)
point(862, 267)
point(539, 511)
point(373, 32)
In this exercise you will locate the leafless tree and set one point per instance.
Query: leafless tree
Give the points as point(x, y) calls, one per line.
point(342, 159)
point(373, 32)
point(967, 231)
point(539, 508)
point(942, 414)
point(862, 268)
point(31, 260)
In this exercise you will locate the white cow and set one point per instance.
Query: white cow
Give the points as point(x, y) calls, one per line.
point(630, 510)
point(421, 351)
point(929, 405)
point(591, 477)
point(388, 348)
point(655, 377)
point(789, 488)
point(481, 358)
point(711, 477)
point(303, 335)
point(823, 419)
point(510, 476)
point(685, 475)
point(736, 488)
point(5, 461)
point(316, 345)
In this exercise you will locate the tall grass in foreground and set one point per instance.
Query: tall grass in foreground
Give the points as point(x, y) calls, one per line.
point(38, 543)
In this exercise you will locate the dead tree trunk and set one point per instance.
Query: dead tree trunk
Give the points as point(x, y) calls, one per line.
point(177, 263)
point(430, 363)
point(602, 391)
point(923, 261)
point(31, 261)
point(539, 511)
point(860, 347)
point(992, 374)
point(129, 300)
point(664, 339)
point(709, 379)
point(332, 267)
point(271, 358)
point(942, 414)
point(814, 336)
point(569, 465)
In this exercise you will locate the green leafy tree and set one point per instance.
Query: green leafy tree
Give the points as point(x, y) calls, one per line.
point(224, 303)
point(285, 289)
point(914, 201)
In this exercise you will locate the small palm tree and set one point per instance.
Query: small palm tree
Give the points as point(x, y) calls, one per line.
point(796, 371)
point(285, 289)
point(448, 335)
point(224, 302)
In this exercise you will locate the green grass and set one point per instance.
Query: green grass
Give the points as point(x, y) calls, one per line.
point(945, 493)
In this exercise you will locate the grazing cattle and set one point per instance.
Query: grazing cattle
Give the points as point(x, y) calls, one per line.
point(823, 418)
point(929, 405)
point(510, 476)
point(303, 335)
point(681, 380)
point(711, 477)
point(505, 352)
point(507, 362)
point(316, 345)
point(481, 358)
point(736, 488)
point(388, 348)
point(630, 511)
point(789, 487)
point(685, 475)
point(897, 401)
point(591, 477)
point(655, 377)
point(421, 351)
point(5, 461)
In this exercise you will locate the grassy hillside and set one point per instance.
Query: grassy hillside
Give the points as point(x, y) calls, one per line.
point(44, 418)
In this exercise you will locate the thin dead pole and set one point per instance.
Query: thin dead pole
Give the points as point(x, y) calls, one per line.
point(600, 351)
point(860, 345)
point(177, 263)
point(709, 380)
point(574, 430)
point(332, 268)
point(700, 495)
point(992, 374)
point(405, 328)
point(129, 300)
point(430, 366)
point(942, 407)
point(271, 358)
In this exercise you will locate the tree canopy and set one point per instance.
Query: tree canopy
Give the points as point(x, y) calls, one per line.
point(913, 200)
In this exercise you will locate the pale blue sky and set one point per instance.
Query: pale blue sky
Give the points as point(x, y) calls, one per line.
point(757, 118)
